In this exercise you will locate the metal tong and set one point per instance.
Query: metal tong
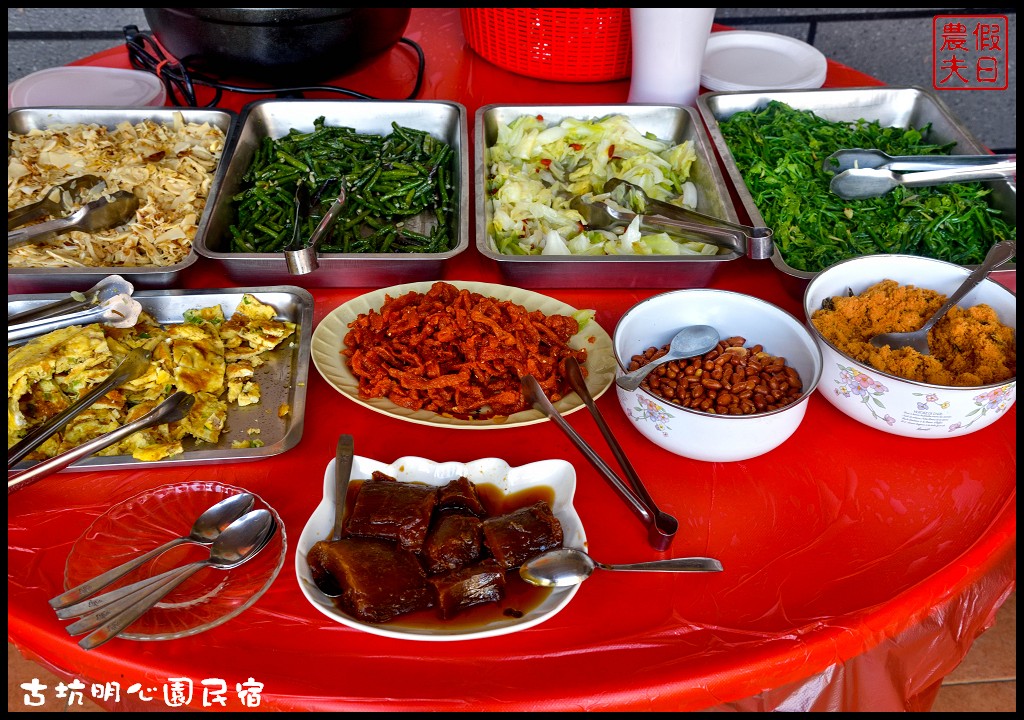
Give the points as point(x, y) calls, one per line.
point(107, 212)
point(132, 366)
point(661, 527)
point(867, 158)
point(755, 242)
point(52, 202)
point(174, 408)
point(108, 301)
point(302, 257)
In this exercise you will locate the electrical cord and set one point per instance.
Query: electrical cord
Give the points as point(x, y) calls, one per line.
point(145, 53)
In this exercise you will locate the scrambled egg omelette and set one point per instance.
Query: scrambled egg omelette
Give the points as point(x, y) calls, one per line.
point(206, 355)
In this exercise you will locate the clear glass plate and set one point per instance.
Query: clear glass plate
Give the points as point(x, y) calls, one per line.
point(210, 597)
point(329, 340)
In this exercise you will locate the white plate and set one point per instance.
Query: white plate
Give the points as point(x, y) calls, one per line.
point(558, 475)
point(329, 340)
point(750, 60)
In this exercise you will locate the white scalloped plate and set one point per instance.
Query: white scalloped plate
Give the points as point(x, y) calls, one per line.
point(329, 340)
point(558, 475)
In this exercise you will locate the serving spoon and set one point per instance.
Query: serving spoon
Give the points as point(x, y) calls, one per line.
point(205, 530)
point(861, 184)
point(343, 457)
point(689, 342)
point(998, 254)
point(569, 566)
point(241, 541)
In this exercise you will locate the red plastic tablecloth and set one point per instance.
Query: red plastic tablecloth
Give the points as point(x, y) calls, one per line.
point(859, 566)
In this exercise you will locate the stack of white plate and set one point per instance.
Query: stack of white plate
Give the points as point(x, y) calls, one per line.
point(749, 60)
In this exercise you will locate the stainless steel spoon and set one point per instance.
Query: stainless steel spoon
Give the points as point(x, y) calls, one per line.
point(241, 541)
point(689, 342)
point(870, 183)
point(869, 158)
point(107, 212)
point(343, 458)
point(205, 530)
point(568, 566)
point(174, 408)
point(918, 339)
point(134, 364)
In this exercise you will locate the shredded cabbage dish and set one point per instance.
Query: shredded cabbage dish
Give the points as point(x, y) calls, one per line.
point(535, 168)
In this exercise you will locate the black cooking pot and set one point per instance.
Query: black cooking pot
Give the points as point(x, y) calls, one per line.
point(297, 45)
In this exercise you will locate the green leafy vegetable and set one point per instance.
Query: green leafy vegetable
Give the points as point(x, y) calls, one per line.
point(400, 191)
point(779, 151)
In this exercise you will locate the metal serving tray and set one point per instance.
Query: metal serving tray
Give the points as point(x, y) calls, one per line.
point(23, 120)
point(670, 123)
point(282, 378)
point(890, 106)
point(275, 118)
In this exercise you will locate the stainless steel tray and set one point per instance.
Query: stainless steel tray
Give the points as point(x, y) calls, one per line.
point(667, 122)
point(282, 378)
point(23, 120)
point(274, 118)
point(890, 106)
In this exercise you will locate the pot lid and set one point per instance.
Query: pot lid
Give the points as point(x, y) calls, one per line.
point(82, 86)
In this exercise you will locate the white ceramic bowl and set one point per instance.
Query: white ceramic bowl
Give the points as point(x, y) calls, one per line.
point(557, 475)
point(699, 435)
point(892, 404)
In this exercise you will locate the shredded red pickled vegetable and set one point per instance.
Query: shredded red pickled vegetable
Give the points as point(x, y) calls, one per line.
point(459, 353)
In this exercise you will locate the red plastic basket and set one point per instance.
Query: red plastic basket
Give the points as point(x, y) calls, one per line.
point(567, 44)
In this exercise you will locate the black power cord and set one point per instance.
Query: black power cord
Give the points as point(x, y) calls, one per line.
point(145, 53)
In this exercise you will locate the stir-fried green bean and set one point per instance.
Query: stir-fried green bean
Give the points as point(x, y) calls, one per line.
point(400, 195)
point(779, 151)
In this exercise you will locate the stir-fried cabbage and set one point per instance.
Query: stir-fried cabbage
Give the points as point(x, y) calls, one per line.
point(534, 169)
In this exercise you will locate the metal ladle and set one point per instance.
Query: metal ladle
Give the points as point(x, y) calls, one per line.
point(861, 184)
point(568, 566)
point(918, 339)
point(689, 342)
point(107, 212)
point(206, 528)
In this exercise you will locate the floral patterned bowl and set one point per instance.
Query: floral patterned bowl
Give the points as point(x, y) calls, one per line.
point(887, 402)
point(701, 435)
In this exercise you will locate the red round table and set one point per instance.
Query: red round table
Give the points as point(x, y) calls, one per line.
point(859, 566)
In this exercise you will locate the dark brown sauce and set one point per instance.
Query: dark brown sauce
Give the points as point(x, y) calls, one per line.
point(521, 597)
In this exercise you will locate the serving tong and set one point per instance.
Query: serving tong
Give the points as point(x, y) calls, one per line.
point(56, 201)
point(107, 212)
point(754, 242)
point(109, 302)
point(860, 174)
point(302, 256)
point(661, 527)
